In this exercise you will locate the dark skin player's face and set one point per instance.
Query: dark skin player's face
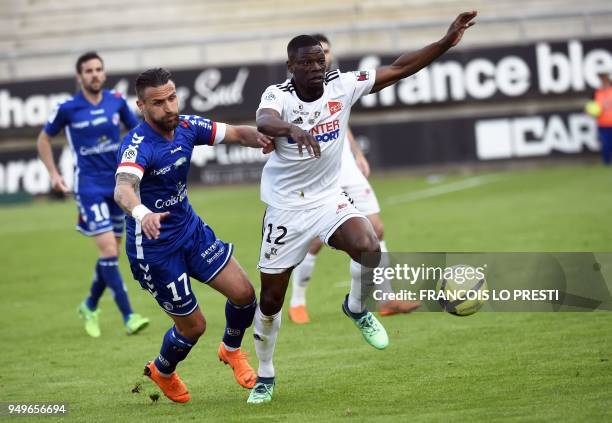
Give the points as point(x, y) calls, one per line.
point(308, 69)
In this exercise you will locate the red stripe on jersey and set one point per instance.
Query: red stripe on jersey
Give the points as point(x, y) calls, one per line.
point(133, 165)
point(214, 134)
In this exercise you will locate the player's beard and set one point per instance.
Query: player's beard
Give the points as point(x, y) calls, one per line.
point(168, 123)
point(94, 87)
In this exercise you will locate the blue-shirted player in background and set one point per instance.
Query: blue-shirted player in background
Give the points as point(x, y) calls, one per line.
point(167, 242)
point(91, 121)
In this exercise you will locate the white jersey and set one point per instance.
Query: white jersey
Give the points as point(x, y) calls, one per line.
point(349, 173)
point(293, 182)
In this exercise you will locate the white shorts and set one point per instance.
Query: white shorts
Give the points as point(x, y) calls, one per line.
point(362, 194)
point(287, 234)
point(356, 185)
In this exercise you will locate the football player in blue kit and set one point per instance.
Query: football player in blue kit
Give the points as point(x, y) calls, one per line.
point(167, 242)
point(91, 120)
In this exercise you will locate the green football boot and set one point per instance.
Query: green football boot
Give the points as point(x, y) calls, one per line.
point(135, 323)
point(373, 332)
point(262, 391)
point(92, 325)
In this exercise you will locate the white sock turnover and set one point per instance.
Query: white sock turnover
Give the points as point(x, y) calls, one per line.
point(265, 331)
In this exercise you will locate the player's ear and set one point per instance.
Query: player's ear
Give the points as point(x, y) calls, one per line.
point(140, 105)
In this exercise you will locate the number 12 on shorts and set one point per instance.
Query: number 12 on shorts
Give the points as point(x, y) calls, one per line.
point(172, 287)
point(278, 239)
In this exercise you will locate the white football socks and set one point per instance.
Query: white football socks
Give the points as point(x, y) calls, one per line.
point(299, 280)
point(359, 272)
point(385, 286)
point(355, 305)
point(265, 331)
point(383, 246)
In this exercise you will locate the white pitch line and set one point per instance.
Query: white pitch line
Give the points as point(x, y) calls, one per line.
point(441, 190)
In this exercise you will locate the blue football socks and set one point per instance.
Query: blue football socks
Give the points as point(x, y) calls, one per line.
point(175, 348)
point(108, 270)
point(238, 318)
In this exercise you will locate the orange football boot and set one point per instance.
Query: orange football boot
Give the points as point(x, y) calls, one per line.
point(299, 314)
point(172, 387)
point(237, 360)
point(398, 307)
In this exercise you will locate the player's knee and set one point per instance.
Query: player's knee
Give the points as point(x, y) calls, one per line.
point(109, 250)
point(197, 329)
point(244, 294)
point(193, 328)
point(271, 302)
point(200, 328)
point(366, 243)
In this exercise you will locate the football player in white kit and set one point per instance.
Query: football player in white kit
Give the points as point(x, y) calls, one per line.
point(310, 112)
point(353, 180)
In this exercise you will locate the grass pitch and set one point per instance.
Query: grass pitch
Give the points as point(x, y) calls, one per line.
point(489, 366)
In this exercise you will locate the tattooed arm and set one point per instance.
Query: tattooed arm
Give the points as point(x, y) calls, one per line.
point(127, 187)
point(128, 198)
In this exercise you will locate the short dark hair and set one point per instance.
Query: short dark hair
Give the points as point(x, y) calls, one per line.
point(299, 42)
point(321, 38)
point(152, 78)
point(86, 57)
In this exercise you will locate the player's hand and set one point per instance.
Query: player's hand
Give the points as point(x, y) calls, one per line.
point(269, 148)
point(305, 139)
point(254, 138)
point(458, 27)
point(58, 184)
point(363, 165)
point(151, 224)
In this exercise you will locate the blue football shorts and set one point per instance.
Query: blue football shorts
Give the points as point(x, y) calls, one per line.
point(201, 256)
point(98, 213)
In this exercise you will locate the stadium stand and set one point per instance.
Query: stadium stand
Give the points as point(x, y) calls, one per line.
point(40, 38)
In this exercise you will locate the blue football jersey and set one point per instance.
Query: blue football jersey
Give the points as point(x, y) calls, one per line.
point(93, 132)
point(163, 166)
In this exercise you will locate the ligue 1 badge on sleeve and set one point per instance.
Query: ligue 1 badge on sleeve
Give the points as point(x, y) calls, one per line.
point(129, 155)
point(362, 75)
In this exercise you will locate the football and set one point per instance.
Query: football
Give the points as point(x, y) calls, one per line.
point(593, 108)
point(462, 290)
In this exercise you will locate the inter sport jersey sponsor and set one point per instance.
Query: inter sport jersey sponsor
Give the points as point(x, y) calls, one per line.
point(163, 166)
point(94, 134)
point(294, 182)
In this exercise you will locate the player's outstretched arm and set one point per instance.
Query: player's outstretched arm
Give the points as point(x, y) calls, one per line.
point(269, 122)
point(247, 136)
point(410, 63)
point(126, 188)
point(43, 144)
